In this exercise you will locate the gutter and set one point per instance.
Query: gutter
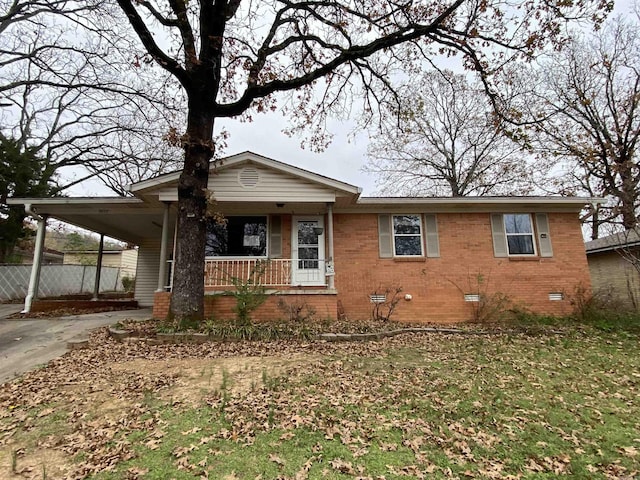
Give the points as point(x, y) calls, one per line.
point(31, 212)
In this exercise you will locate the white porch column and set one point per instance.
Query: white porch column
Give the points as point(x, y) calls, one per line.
point(164, 242)
point(330, 269)
point(34, 278)
point(96, 283)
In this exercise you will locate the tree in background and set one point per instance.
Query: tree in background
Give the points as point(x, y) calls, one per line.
point(444, 140)
point(20, 176)
point(584, 113)
point(71, 109)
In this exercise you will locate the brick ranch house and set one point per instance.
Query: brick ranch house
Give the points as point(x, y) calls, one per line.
point(321, 244)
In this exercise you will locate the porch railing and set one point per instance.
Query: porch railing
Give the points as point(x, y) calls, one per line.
point(275, 272)
point(269, 273)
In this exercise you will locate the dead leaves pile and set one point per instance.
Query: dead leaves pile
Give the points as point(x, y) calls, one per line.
point(408, 394)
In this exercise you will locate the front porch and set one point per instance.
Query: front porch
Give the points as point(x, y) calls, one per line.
point(278, 276)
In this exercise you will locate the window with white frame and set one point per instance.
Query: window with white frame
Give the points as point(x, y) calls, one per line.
point(407, 235)
point(237, 236)
point(518, 229)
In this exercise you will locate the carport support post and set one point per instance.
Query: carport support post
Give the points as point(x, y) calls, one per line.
point(332, 277)
point(34, 279)
point(162, 271)
point(96, 284)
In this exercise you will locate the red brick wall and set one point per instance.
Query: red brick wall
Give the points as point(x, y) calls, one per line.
point(161, 301)
point(221, 306)
point(437, 285)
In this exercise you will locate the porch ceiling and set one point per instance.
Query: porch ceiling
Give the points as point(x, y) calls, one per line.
point(127, 219)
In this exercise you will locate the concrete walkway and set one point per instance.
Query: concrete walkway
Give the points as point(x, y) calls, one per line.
point(7, 309)
point(27, 343)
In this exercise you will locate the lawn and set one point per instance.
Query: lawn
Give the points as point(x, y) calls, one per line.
point(499, 405)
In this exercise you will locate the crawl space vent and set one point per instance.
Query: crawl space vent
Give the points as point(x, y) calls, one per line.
point(471, 297)
point(248, 177)
point(378, 298)
point(556, 296)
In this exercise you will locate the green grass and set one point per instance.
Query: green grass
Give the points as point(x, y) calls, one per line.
point(476, 406)
point(428, 406)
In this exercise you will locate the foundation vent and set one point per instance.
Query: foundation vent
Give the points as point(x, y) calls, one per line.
point(378, 298)
point(556, 296)
point(471, 297)
point(248, 177)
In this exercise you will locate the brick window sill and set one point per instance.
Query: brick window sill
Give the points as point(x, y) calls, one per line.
point(525, 259)
point(409, 259)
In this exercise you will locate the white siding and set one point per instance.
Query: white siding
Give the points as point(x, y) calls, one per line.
point(147, 272)
point(271, 186)
point(129, 259)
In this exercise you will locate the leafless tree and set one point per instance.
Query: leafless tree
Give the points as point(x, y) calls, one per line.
point(69, 102)
point(68, 92)
point(586, 113)
point(231, 57)
point(444, 140)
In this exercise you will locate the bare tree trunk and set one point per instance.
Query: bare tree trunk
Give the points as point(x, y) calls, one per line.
point(187, 300)
point(627, 195)
point(595, 223)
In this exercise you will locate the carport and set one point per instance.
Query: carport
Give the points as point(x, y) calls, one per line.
point(130, 220)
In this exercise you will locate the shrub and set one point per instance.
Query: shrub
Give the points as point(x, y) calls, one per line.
point(382, 310)
point(249, 293)
point(297, 311)
point(603, 310)
point(491, 306)
point(128, 283)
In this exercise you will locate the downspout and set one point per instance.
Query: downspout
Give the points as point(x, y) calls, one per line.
point(34, 278)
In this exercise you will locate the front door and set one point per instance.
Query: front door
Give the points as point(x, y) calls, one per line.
point(308, 251)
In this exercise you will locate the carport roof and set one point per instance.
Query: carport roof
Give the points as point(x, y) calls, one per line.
point(128, 219)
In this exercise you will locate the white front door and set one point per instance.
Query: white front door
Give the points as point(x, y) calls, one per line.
point(307, 245)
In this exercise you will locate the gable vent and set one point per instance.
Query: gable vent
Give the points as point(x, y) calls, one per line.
point(248, 177)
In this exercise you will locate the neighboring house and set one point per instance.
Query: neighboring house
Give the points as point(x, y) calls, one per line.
point(49, 257)
point(126, 259)
point(614, 263)
point(321, 244)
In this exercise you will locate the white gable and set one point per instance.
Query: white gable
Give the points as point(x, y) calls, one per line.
point(258, 180)
point(256, 183)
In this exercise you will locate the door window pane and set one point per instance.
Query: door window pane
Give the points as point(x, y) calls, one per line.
point(308, 249)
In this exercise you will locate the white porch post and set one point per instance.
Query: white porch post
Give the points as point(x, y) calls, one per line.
point(330, 266)
point(34, 278)
point(96, 283)
point(164, 242)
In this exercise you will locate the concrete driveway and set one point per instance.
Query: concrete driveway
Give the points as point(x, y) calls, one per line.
point(27, 343)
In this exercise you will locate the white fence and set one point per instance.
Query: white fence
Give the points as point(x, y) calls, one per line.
point(57, 280)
